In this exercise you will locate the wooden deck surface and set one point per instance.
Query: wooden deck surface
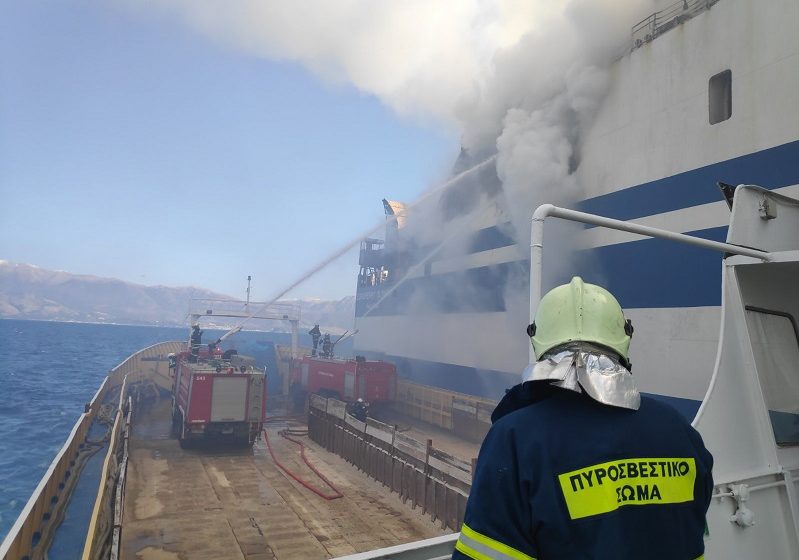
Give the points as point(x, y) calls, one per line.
point(204, 504)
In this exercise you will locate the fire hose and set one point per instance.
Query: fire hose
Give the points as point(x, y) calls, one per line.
point(287, 434)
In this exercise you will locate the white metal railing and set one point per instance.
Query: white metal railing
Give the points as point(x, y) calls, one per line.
point(437, 548)
point(669, 17)
point(548, 210)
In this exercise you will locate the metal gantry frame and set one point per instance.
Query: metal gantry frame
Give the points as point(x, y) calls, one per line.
point(550, 211)
point(234, 309)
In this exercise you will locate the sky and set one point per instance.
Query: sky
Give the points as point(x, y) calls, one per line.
point(196, 142)
point(136, 147)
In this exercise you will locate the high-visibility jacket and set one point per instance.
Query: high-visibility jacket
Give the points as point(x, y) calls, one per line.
point(561, 476)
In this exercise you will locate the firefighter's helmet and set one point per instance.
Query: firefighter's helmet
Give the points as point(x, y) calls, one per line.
point(580, 312)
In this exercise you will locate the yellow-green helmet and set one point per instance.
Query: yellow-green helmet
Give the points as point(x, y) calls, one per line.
point(580, 312)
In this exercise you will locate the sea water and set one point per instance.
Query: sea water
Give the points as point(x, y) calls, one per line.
point(49, 370)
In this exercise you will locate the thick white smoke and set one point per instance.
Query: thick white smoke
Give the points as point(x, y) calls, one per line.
point(520, 79)
point(418, 56)
point(465, 62)
point(517, 77)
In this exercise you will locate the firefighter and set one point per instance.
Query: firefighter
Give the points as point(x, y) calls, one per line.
point(577, 464)
point(315, 334)
point(327, 347)
point(360, 410)
point(195, 342)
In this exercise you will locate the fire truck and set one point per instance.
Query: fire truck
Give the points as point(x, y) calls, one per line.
point(345, 379)
point(217, 398)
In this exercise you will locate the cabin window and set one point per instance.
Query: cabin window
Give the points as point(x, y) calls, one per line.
point(775, 342)
point(720, 97)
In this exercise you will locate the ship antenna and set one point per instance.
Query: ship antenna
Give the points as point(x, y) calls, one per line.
point(247, 305)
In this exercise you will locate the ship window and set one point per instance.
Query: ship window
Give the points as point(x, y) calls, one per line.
point(720, 97)
point(775, 342)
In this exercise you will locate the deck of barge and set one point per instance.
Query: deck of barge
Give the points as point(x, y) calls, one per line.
point(198, 504)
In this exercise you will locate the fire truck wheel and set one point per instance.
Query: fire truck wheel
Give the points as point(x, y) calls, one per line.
point(183, 439)
point(185, 442)
point(244, 442)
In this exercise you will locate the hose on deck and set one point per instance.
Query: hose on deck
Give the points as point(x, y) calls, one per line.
point(284, 418)
point(287, 434)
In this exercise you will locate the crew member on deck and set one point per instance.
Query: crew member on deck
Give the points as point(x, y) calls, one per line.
point(315, 334)
point(360, 410)
point(195, 342)
point(577, 464)
point(327, 347)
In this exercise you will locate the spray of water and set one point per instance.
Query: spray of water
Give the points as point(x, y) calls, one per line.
point(441, 187)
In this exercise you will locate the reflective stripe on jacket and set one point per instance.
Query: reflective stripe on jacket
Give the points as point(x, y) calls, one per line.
point(474, 545)
point(560, 476)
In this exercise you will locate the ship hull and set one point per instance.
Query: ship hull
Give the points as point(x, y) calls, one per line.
point(650, 156)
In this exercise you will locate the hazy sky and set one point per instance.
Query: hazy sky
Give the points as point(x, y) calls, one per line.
point(134, 147)
point(195, 142)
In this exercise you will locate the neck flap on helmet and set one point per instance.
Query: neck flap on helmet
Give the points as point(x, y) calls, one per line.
point(584, 367)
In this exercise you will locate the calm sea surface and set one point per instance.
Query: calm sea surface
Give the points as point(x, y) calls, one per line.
point(49, 370)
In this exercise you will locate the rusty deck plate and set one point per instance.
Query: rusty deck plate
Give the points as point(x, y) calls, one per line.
point(203, 504)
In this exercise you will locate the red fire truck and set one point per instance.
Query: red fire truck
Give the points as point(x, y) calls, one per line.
point(346, 379)
point(216, 398)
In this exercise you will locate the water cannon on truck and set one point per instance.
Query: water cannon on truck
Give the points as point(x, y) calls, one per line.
point(347, 379)
point(221, 397)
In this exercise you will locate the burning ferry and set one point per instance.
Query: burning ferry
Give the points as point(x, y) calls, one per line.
point(704, 96)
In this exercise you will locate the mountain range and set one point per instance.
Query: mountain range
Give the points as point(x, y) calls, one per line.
point(30, 292)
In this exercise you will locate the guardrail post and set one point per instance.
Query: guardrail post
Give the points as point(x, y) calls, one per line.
point(427, 456)
point(426, 479)
point(365, 455)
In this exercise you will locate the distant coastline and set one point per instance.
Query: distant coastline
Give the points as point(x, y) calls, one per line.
point(143, 325)
point(32, 293)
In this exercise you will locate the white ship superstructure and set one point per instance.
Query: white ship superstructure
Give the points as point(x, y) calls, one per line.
point(706, 95)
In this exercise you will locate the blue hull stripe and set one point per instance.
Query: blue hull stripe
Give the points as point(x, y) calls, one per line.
point(489, 384)
point(655, 273)
point(773, 168)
